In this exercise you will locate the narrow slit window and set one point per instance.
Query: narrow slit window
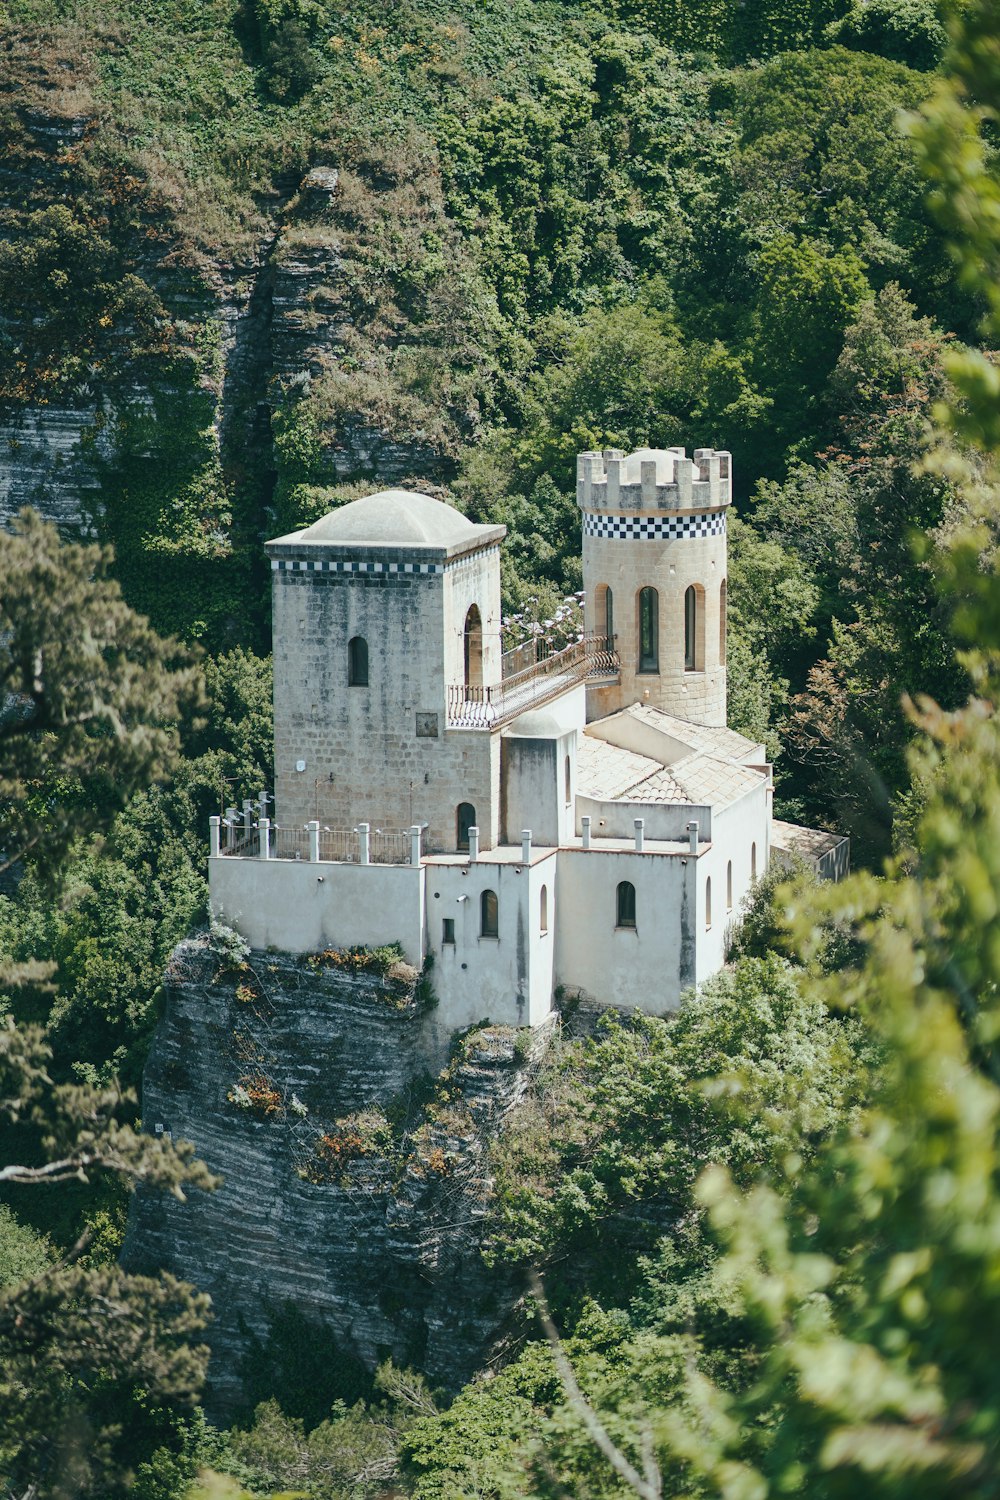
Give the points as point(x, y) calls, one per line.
point(690, 628)
point(753, 861)
point(625, 905)
point(729, 886)
point(357, 662)
point(448, 932)
point(649, 630)
point(489, 915)
point(568, 777)
point(723, 607)
point(543, 914)
point(708, 902)
point(604, 615)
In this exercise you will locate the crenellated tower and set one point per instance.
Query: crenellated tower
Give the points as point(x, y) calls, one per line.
point(654, 574)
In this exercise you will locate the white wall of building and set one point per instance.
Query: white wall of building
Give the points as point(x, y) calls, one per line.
point(645, 968)
point(303, 908)
point(509, 979)
point(740, 839)
point(536, 775)
point(662, 820)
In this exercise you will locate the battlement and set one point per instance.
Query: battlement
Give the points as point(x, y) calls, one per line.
point(654, 479)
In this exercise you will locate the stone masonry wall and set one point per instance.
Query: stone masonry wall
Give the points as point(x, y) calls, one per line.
point(374, 1241)
point(366, 758)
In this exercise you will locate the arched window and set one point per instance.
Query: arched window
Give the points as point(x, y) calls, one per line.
point(625, 904)
point(723, 606)
point(690, 628)
point(543, 909)
point(357, 662)
point(569, 780)
point(604, 614)
point(708, 902)
point(649, 630)
point(489, 915)
point(473, 648)
point(753, 861)
point(729, 886)
point(465, 819)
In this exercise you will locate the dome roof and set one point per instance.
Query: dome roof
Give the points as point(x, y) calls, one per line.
point(392, 518)
point(664, 458)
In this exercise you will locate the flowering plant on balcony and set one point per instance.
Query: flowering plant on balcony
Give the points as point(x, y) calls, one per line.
point(562, 627)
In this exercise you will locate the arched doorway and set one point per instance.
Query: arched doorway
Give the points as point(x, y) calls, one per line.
point(473, 648)
point(465, 819)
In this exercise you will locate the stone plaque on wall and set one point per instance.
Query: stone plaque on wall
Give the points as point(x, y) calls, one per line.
point(427, 726)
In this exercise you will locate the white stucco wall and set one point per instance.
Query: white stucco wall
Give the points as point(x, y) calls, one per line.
point(662, 820)
point(507, 980)
point(736, 829)
point(647, 968)
point(303, 908)
point(533, 789)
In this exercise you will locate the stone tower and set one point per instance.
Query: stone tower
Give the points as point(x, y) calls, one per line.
point(382, 610)
point(654, 574)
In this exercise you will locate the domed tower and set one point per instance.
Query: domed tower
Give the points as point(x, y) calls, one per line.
point(383, 611)
point(654, 574)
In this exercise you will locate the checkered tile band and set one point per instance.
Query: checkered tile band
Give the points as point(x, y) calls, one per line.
point(654, 528)
point(302, 565)
point(305, 565)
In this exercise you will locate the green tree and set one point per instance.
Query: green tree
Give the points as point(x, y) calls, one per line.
point(97, 1366)
point(85, 1350)
point(907, 31)
point(808, 297)
point(92, 696)
point(866, 1275)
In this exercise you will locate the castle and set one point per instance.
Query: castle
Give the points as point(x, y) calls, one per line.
point(531, 819)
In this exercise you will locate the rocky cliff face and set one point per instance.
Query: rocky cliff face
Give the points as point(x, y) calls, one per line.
point(177, 401)
point(354, 1187)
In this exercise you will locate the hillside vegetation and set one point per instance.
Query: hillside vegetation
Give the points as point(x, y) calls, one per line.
point(258, 258)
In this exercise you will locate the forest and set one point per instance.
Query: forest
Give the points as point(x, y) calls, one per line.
point(254, 254)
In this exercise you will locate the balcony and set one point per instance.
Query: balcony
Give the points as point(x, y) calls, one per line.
point(269, 841)
point(531, 675)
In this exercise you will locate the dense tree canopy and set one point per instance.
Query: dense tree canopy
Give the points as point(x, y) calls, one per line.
point(766, 1227)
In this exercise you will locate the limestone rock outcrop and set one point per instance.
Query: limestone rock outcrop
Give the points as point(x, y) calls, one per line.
point(353, 1190)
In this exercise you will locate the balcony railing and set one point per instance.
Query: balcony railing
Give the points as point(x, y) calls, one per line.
point(336, 845)
point(532, 675)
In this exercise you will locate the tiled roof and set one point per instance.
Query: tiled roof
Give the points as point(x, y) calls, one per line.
point(661, 787)
point(610, 774)
point(606, 772)
point(705, 739)
point(713, 782)
point(794, 839)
